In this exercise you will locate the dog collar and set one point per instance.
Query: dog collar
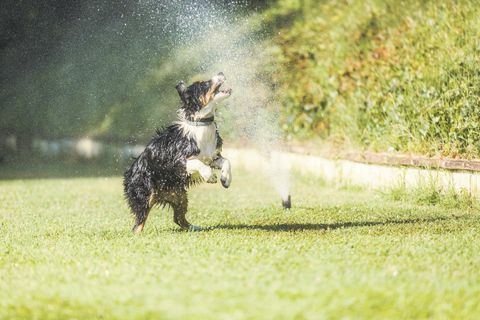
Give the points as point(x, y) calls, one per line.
point(201, 122)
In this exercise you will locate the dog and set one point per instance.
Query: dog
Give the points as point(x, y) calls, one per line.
point(180, 156)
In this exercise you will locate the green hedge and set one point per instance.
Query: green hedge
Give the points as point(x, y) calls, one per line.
point(368, 74)
point(382, 75)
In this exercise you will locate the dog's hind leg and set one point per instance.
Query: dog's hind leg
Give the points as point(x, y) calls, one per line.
point(179, 202)
point(141, 214)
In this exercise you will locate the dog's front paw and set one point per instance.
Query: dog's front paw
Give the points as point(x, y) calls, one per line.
point(213, 178)
point(226, 179)
point(208, 175)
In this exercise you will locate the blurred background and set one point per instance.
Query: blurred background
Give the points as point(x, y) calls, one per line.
point(87, 82)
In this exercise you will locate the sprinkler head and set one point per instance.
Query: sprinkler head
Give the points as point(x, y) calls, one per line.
point(287, 204)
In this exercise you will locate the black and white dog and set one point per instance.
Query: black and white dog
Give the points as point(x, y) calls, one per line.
point(179, 156)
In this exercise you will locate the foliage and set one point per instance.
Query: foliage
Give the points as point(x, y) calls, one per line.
point(398, 75)
point(369, 74)
point(431, 193)
point(66, 251)
point(100, 69)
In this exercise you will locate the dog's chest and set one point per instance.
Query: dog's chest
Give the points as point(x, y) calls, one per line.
point(206, 139)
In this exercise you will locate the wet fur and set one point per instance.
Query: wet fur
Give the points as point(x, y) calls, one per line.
point(159, 175)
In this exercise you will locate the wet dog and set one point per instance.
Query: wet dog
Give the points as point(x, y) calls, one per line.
point(181, 155)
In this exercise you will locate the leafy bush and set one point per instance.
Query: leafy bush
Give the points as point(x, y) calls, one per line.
point(380, 75)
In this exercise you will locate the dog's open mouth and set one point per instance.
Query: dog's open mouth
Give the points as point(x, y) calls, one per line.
point(223, 91)
point(216, 90)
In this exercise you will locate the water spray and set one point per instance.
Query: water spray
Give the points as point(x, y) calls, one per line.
point(237, 50)
point(278, 169)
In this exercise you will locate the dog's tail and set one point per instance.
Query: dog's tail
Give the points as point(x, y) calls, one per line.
point(138, 189)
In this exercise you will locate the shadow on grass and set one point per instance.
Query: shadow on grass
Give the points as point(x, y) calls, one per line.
point(330, 226)
point(286, 227)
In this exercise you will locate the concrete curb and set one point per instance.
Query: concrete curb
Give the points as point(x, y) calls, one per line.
point(354, 173)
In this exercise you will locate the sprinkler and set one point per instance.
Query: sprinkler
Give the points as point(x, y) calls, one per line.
point(287, 203)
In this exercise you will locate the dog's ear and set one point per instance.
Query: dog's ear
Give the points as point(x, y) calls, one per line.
point(181, 90)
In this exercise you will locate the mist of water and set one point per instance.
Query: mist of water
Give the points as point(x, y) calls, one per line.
point(108, 69)
point(218, 39)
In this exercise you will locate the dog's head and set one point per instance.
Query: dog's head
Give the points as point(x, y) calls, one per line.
point(199, 100)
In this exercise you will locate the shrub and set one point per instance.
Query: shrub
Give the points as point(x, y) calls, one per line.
point(383, 74)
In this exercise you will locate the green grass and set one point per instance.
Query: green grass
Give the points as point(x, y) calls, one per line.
point(66, 251)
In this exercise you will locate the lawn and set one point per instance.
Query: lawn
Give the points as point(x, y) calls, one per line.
point(66, 251)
